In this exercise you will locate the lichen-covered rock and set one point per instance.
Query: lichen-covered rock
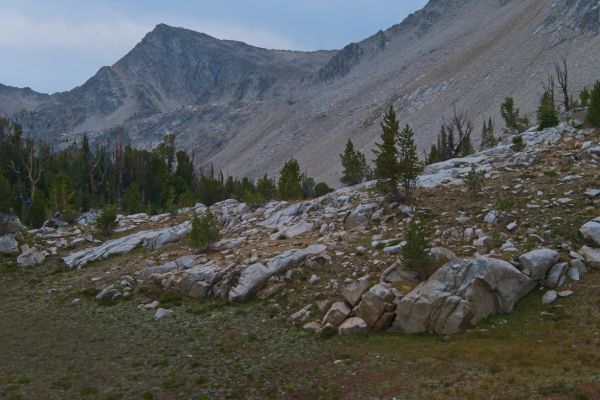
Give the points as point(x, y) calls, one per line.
point(460, 294)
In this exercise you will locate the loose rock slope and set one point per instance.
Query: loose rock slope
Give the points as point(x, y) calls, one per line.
point(336, 260)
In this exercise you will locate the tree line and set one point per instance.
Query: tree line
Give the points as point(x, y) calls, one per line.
point(38, 182)
point(396, 162)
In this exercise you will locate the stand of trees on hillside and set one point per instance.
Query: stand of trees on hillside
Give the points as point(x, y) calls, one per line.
point(37, 183)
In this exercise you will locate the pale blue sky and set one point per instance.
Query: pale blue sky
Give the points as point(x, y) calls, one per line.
point(55, 45)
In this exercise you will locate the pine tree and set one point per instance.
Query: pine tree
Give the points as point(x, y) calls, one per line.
point(266, 188)
point(308, 186)
point(205, 231)
point(410, 166)
point(488, 140)
point(510, 114)
point(387, 167)
point(443, 147)
point(36, 213)
point(61, 195)
point(290, 184)
point(466, 147)
point(5, 195)
point(415, 253)
point(547, 116)
point(132, 200)
point(585, 96)
point(434, 155)
point(321, 189)
point(355, 165)
point(107, 220)
point(593, 115)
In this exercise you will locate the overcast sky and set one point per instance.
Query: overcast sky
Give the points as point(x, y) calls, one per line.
point(55, 45)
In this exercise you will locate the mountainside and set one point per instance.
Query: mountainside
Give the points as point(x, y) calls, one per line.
point(247, 109)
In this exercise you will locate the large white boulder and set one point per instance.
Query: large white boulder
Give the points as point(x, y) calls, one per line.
point(460, 294)
point(536, 263)
point(8, 244)
point(592, 256)
point(591, 231)
point(353, 327)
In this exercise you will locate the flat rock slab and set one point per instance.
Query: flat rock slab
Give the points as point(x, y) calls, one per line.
point(148, 239)
point(254, 277)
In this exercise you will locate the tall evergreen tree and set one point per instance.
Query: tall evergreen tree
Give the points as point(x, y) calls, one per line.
point(387, 167)
point(266, 187)
point(409, 163)
point(185, 168)
point(488, 140)
point(290, 185)
point(434, 155)
point(355, 165)
point(547, 115)
point(593, 116)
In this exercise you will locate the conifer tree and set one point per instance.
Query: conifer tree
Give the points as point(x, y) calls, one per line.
point(510, 114)
point(434, 155)
point(584, 97)
point(355, 165)
point(5, 195)
point(61, 195)
point(266, 188)
point(488, 140)
point(410, 166)
point(132, 200)
point(387, 167)
point(547, 116)
point(321, 189)
point(290, 184)
point(593, 116)
point(205, 231)
point(415, 253)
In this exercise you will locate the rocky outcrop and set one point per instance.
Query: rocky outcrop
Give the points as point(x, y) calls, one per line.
point(254, 277)
point(149, 239)
point(460, 294)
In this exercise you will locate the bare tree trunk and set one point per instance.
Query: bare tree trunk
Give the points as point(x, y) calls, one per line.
point(549, 87)
point(562, 73)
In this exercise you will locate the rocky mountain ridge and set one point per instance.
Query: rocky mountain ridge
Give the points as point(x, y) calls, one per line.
point(246, 110)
